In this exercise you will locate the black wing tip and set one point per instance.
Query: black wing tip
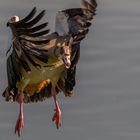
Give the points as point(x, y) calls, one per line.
point(43, 11)
point(34, 9)
point(89, 5)
point(28, 19)
point(35, 20)
point(39, 34)
point(94, 2)
point(41, 14)
point(29, 16)
point(45, 24)
point(28, 23)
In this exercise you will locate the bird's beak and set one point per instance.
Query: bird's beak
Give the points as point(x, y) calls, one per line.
point(67, 62)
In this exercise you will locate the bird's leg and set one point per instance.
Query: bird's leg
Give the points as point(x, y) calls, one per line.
point(57, 115)
point(20, 121)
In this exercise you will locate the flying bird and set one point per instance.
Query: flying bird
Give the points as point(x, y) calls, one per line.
point(41, 64)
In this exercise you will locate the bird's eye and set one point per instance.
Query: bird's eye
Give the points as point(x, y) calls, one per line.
point(61, 51)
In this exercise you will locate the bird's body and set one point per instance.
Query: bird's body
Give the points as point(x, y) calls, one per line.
point(39, 65)
point(51, 71)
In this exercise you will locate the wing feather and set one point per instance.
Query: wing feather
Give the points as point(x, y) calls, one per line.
point(27, 37)
point(79, 21)
point(28, 17)
point(35, 20)
point(37, 34)
point(32, 30)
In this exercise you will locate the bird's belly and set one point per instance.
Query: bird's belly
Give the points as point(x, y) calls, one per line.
point(51, 72)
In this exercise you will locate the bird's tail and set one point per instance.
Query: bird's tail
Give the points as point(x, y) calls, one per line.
point(36, 96)
point(9, 94)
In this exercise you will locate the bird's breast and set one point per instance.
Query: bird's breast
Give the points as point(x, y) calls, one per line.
point(50, 71)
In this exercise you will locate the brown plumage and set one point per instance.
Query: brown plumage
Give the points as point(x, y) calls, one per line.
point(40, 65)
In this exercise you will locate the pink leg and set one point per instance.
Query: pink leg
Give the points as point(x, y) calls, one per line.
point(57, 115)
point(20, 121)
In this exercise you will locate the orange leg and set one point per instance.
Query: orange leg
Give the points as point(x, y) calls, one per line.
point(57, 118)
point(20, 121)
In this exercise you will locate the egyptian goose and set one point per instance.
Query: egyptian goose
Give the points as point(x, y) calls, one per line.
point(40, 65)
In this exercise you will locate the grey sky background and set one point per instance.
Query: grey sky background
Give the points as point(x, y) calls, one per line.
point(106, 105)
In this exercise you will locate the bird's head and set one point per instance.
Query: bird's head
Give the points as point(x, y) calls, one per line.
point(13, 20)
point(66, 56)
point(64, 53)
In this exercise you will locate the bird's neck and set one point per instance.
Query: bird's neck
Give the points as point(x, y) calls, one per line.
point(52, 49)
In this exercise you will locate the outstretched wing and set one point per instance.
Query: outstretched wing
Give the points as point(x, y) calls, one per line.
point(26, 47)
point(75, 23)
point(79, 20)
point(28, 38)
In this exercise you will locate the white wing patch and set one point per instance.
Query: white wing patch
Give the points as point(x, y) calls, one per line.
point(61, 24)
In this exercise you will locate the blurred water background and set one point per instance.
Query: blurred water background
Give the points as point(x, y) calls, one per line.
point(106, 105)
